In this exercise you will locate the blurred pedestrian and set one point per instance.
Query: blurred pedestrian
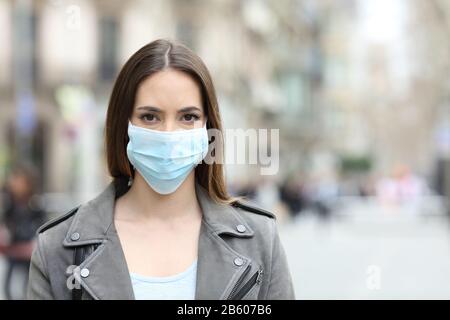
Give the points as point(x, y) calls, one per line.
point(291, 193)
point(21, 219)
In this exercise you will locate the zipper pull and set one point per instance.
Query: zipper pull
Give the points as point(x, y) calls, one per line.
point(259, 277)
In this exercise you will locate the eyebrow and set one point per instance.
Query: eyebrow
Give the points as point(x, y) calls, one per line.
point(156, 109)
point(149, 108)
point(190, 108)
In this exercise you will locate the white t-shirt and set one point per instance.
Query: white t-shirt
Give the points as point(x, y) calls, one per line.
point(180, 286)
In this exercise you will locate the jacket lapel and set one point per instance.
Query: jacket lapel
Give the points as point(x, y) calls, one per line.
point(108, 272)
point(217, 270)
point(107, 276)
point(219, 266)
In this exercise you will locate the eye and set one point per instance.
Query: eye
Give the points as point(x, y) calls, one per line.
point(190, 117)
point(148, 117)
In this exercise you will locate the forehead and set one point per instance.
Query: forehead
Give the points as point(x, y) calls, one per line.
point(168, 88)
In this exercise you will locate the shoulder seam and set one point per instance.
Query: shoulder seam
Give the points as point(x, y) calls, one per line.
point(253, 209)
point(41, 254)
point(57, 220)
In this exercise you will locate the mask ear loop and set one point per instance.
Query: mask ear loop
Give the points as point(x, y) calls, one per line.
point(206, 127)
point(203, 127)
point(130, 179)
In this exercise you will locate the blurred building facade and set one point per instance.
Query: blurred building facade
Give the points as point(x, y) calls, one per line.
point(294, 65)
point(64, 56)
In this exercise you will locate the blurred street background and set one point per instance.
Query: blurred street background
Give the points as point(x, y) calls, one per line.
point(360, 90)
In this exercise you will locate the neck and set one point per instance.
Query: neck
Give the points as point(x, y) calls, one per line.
point(143, 202)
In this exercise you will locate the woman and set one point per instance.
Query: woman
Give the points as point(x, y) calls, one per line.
point(165, 228)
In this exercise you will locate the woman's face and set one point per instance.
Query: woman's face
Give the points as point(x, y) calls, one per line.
point(168, 100)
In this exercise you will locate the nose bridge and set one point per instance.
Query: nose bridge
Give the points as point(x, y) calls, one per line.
point(169, 126)
point(169, 123)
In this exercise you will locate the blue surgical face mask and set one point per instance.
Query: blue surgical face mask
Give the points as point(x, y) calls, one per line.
point(165, 158)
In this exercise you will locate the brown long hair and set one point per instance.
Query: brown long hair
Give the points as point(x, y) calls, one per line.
point(153, 57)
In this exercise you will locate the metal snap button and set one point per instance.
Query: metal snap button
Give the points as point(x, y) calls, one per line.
point(241, 228)
point(84, 272)
point(239, 262)
point(75, 236)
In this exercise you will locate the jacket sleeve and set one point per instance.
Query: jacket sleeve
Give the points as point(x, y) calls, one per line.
point(280, 283)
point(38, 284)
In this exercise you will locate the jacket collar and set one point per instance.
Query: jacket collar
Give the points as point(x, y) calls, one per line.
point(216, 271)
point(93, 219)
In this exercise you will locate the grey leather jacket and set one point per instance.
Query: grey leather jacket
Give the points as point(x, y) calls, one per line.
point(239, 254)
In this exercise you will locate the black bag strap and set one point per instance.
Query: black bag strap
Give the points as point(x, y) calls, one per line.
point(79, 254)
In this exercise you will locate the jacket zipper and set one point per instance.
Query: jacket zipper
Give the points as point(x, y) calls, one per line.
point(255, 279)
